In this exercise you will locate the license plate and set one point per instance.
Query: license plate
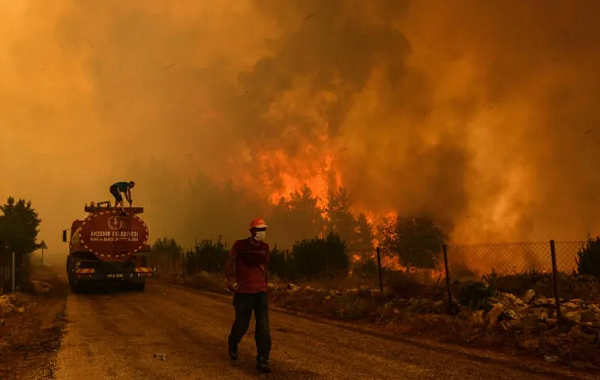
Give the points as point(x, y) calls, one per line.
point(114, 275)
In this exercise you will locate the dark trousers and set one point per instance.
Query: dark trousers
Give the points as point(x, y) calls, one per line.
point(244, 304)
point(115, 192)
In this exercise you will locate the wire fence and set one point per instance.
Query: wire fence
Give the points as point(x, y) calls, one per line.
point(552, 269)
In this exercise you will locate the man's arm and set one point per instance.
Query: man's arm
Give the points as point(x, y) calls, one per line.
point(128, 195)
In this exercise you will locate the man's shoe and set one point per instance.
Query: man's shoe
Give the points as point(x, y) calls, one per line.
point(263, 366)
point(233, 351)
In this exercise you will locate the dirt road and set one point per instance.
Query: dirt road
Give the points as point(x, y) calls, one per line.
point(115, 335)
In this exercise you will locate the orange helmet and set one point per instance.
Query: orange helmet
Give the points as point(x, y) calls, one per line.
point(258, 223)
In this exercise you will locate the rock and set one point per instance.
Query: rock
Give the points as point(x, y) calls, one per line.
point(514, 325)
point(541, 315)
point(476, 317)
point(509, 314)
point(6, 305)
point(438, 306)
point(41, 287)
point(570, 305)
point(528, 296)
point(543, 302)
point(551, 359)
point(512, 299)
point(588, 316)
point(495, 313)
point(573, 316)
point(327, 298)
point(595, 310)
point(531, 344)
point(584, 333)
point(396, 311)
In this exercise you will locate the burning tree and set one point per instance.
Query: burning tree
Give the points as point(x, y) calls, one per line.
point(355, 231)
point(415, 239)
point(296, 218)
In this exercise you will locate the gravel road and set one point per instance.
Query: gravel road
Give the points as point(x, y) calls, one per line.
point(116, 335)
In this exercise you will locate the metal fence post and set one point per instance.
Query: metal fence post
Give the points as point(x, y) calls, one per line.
point(14, 288)
point(183, 264)
point(447, 269)
point(555, 280)
point(379, 270)
point(286, 277)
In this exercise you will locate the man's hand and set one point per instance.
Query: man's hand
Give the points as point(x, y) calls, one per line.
point(232, 286)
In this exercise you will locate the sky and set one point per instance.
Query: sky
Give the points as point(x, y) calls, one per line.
point(482, 113)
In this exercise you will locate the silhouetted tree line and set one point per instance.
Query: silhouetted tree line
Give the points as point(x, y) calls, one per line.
point(312, 242)
point(315, 258)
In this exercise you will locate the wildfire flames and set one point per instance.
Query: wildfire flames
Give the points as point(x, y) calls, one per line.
point(284, 174)
point(437, 108)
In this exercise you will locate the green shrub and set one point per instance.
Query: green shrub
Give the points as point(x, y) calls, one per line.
point(319, 258)
point(475, 295)
point(403, 285)
point(588, 258)
point(367, 268)
point(277, 263)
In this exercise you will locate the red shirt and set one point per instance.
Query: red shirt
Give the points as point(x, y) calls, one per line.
point(251, 260)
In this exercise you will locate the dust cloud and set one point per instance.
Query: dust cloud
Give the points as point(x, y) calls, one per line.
point(485, 114)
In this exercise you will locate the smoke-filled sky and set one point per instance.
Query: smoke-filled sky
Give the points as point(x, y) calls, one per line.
point(484, 113)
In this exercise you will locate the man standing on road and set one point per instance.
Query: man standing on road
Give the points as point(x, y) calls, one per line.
point(246, 273)
point(122, 187)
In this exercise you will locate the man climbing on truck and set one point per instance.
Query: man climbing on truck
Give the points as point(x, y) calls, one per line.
point(246, 274)
point(122, 187)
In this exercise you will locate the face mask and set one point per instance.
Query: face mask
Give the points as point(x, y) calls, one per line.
point(260, 235)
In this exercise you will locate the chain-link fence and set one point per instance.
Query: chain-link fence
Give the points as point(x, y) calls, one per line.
point(560, 271)
point(556, 270)
point(477, 260)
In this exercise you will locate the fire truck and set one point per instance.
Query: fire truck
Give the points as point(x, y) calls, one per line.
point(108, 246)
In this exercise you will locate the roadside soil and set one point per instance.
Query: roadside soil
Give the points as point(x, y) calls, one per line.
point(30, 337)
